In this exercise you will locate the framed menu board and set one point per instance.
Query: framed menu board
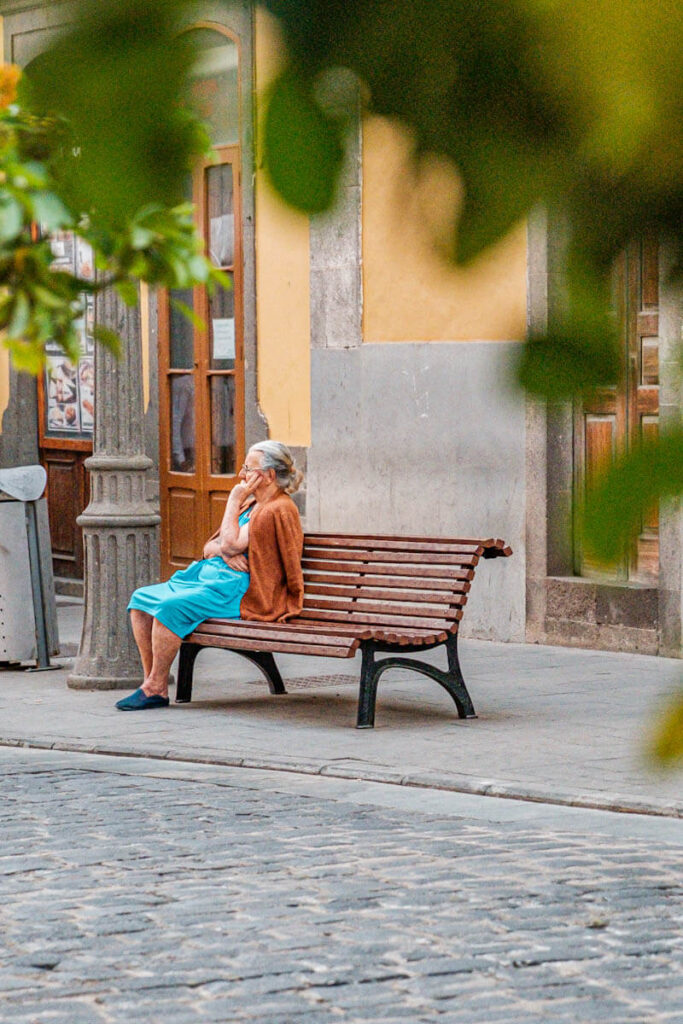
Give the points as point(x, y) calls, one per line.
point(66, 392)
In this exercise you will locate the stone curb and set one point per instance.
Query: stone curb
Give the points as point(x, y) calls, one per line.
point(370, 773)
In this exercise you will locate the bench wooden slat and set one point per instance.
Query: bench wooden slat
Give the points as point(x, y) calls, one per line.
point(361, 591)
point(260, 631)
point(414, 635)
point(411, 571)
point(364, 605)
point(408, 557)
point(460, 582)
point(376, 619)
point(400, 544)
point(275, 646)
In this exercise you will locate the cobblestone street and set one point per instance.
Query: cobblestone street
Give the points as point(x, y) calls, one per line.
point(133, 891)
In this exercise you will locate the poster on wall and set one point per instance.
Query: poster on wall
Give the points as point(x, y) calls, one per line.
point(69, 388)
point(69, 394)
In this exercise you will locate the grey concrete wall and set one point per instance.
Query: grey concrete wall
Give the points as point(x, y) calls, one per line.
point(336, 283)
point(425, 438)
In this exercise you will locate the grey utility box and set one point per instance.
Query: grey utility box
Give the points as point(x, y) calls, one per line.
point(28, 613)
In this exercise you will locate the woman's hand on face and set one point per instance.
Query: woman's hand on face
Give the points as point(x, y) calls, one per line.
point(237, 562)
point(244, 490)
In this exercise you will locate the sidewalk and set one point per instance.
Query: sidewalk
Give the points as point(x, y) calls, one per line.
point(555, 725)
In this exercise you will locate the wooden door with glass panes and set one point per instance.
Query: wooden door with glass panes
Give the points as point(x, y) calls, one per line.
point(615, 419)
point(202, 406)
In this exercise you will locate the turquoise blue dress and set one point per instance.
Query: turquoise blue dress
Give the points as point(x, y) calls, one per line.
point(207, 589)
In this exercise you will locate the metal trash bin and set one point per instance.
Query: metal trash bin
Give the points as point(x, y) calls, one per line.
point(28, 612)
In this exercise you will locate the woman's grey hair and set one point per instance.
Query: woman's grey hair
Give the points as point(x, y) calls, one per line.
point(276, 456)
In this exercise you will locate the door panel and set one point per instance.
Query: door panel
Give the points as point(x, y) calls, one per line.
point(217, 503)
point(613, 420)
point(599, 450)
point(67, 496)
point(183, 511)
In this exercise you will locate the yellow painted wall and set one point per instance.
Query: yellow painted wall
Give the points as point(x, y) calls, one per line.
point(4, 354)
point(282, 284)
point(410, 293)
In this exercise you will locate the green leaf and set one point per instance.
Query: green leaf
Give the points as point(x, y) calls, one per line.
point(575, 358)
point(11, 217)
point(218, 278)
point(108, 338)
point(666, 744)
point(26, 356)
point(140, 237)
point(128, 292)
point(21, 314)
point(194, 318)
point(70, 342)
point(117, 76)
point(49, 298)
point(49, 211)
point(303, 148)
point(198, 268)
point(632, 485)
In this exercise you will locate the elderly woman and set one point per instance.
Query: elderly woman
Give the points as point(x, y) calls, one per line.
point(251, 569)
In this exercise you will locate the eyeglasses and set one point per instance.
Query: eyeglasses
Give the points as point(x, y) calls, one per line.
point(250, 469)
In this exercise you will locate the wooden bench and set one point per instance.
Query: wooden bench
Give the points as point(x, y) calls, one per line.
point(395, 595)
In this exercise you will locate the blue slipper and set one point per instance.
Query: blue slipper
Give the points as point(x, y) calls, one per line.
point(139, 701)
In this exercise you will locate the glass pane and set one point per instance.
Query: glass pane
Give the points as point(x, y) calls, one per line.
point(649, 362)
point(215, 89)
point(182, 333)
point(219, 189)
point(182, 424)
point(222, 426)
point(222, 317)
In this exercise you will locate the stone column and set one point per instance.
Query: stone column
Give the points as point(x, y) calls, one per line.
point(120, 527)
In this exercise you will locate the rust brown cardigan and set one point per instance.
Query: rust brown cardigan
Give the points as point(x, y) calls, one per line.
point(276, 541)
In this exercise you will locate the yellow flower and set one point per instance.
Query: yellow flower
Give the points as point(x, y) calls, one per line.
point(9, 79)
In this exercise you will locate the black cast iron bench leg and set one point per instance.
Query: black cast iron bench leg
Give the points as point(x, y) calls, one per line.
point(266, 662)
point(452, 681)
point(188, 655)
point(186, 660)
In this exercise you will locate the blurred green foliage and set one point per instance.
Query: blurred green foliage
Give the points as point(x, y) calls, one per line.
point(115, 80)
point(631, 486)
point(666, 742)
point(573, 104)
point(99, 141)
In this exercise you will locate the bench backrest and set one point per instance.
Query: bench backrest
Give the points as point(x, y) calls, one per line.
point(410, 586)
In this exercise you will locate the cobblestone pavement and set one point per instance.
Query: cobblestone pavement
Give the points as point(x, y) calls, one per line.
point(137, 893)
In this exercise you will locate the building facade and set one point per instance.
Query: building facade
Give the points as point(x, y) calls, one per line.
point(389, 372)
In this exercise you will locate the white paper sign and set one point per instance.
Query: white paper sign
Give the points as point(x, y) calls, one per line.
point(224, 339)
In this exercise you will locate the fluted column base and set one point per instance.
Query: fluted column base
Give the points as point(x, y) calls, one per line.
point(120, 534)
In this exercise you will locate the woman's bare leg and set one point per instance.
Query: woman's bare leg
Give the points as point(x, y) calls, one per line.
point(165, 646)
point(141, 624)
